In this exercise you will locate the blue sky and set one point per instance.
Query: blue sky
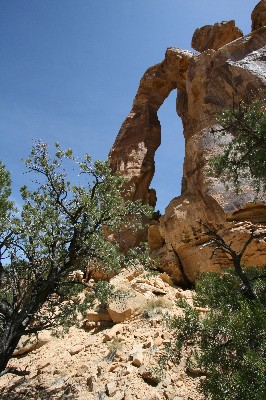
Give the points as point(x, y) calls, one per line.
point(69, 70)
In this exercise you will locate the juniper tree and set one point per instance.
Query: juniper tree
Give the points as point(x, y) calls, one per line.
point(227, 344)
point(59, 229)
point(244, 157)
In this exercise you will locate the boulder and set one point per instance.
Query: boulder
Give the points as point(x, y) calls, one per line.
point(32, 342)
point(101, 314)
point(158, 341)
point(76, 349)
point(111, 334)
point(155, 238)
point(137, 355)
point(137, 359)
point(127, 303)
point(169, 262)
point(111, 388)
point(215, 36)
point(258, 16)
point(166, 278)
point(119, 312)
point(89, 342)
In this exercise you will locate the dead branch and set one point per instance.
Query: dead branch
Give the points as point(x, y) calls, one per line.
point(12, 370)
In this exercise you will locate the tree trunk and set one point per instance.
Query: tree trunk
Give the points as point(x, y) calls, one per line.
point(20, 319)
point(9, 341)
point(247, 284)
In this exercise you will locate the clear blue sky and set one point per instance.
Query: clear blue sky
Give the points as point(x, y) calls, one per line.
point(69, 70)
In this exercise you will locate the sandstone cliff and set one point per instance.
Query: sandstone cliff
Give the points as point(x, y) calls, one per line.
point(230, 66)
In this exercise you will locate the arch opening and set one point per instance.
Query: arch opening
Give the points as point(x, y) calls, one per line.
point(169, 157)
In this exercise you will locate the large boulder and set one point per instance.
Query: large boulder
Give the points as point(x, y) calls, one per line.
point(215, 36)
point(127, 301)
point(258, 15)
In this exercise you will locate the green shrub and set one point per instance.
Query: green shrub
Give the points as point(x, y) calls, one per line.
point(243, 157)
point(228, 343)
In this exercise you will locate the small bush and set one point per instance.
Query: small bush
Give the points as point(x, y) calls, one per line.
point(115, 345)
point(154, 306)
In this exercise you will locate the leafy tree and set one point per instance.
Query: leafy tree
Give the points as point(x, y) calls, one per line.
point(59, 230)
point(228, 343)
point(5, 192)
point(244, 157)
point(6, 209)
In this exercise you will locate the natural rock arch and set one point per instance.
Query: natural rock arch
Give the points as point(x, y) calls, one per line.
point(169, 157)
point(206, 83)
point(140, 135)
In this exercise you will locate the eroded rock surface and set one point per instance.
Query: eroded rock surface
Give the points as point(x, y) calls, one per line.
point(206, 84)
point(258, 16)
point(215, 36)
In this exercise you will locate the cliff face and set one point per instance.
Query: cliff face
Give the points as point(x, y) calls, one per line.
point(229, 67)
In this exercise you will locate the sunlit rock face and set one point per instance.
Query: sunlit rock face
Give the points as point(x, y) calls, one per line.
point(230, 68)
point(258, 15)
point(215, 36)
point(140, 135)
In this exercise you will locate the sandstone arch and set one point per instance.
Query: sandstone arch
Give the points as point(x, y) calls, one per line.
point(169, 157)
point(140, 135)
point(206, 83)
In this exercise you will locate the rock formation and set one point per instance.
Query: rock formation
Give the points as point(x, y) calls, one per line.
point(229, 67)
point(215, 36)
point(258, 16)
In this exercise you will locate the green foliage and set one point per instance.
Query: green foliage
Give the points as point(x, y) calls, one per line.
point(6, 210)
point(139, 257)
point(244, 157)
point(104, 292)
point(228, 343)
point(60, 229)
point(228, 289)
point(5, 191)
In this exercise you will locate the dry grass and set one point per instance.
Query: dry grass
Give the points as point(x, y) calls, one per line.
point(156, 305)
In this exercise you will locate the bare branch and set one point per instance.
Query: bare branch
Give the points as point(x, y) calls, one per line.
point(12, 370)
point(235, 257)
point(251, 237)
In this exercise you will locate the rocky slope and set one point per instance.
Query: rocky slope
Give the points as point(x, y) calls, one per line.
point(229, 67)
point(106, 359)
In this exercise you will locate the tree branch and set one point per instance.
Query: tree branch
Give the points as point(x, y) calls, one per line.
point(12, 370)
point(236, 257)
